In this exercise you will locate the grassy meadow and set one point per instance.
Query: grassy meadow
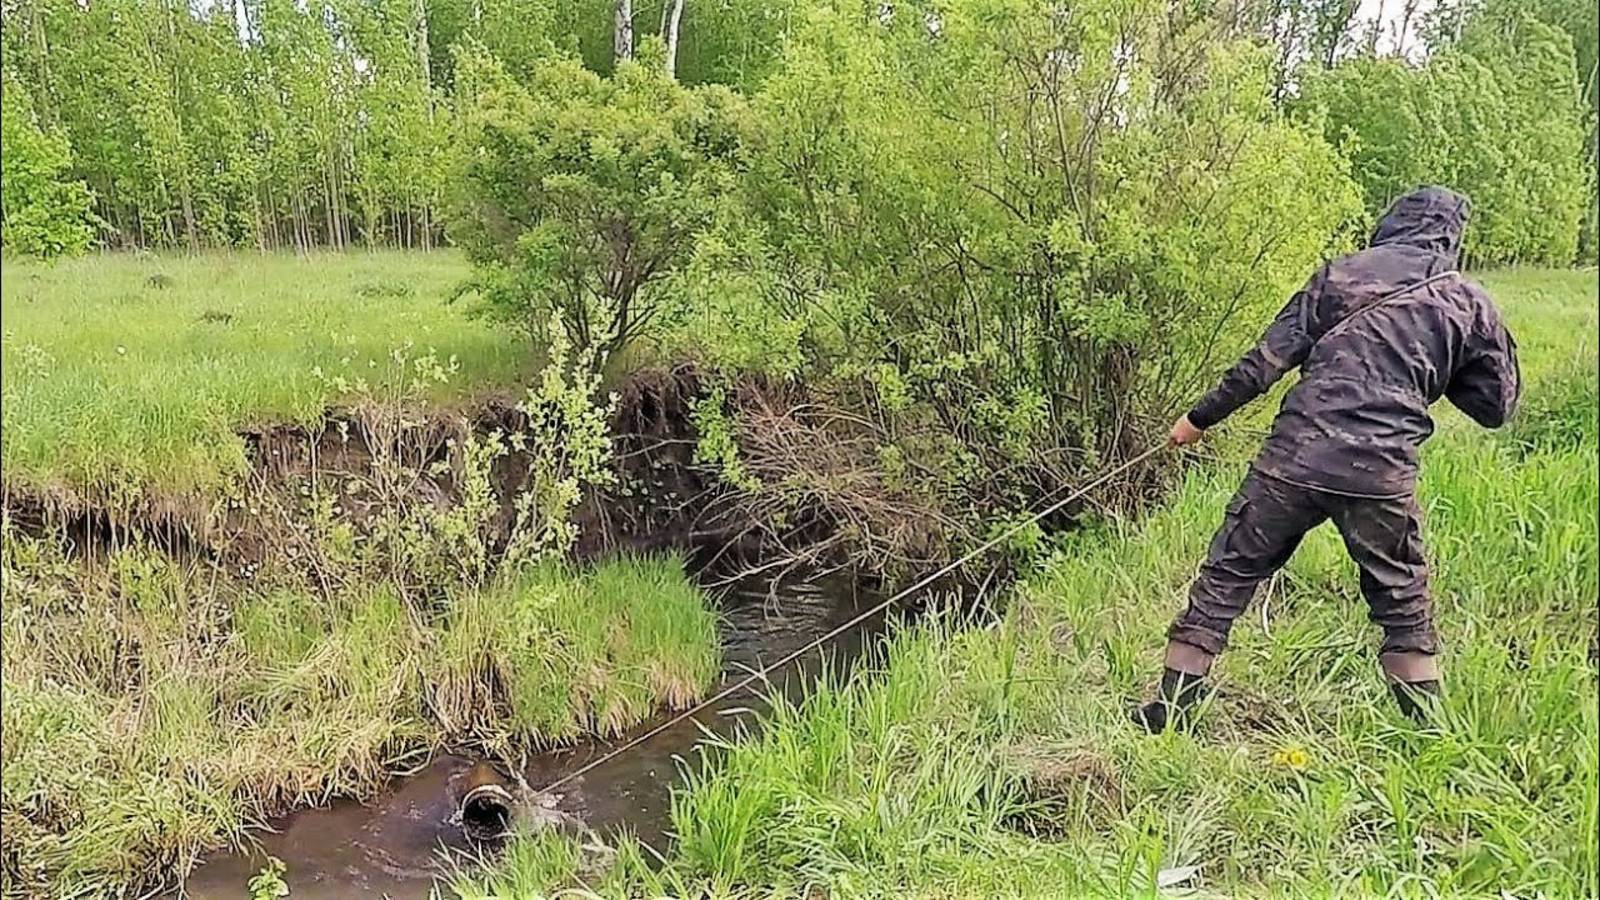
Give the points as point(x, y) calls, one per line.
point(999, 762)
point(130, 374)
point(823, 287)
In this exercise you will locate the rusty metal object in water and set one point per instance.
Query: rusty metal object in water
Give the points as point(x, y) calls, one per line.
point(487, 803)
point(490, 805)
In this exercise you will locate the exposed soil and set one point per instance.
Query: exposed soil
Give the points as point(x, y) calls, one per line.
point(662, 499)
point(824, 497)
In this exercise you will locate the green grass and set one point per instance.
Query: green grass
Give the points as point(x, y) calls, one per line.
point(543, 863)
point(129, 375)
point(999, 762)
point(551, 655)
point(152, 711)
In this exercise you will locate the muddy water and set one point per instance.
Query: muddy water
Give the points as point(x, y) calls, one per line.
point(392, 846)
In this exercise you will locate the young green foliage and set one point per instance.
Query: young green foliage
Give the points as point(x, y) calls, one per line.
point(580, 196)
point(1496, 116)
point(46, 212)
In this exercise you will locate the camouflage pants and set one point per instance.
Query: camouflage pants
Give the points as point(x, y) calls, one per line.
point(1264, 524)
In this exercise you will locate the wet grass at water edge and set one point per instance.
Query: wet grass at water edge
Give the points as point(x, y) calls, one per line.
point(151, 713)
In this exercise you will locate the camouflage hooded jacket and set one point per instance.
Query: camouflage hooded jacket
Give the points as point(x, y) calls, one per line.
point(1378, 336)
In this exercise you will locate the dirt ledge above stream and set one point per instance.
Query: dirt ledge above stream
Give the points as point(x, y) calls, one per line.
point(816, 494)
point(662, 499)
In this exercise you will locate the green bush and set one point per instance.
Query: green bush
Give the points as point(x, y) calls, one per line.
point(45, 211)
point(1018, 265)
point(580, 195)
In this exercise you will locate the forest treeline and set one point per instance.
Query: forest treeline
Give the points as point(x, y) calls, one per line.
point(305, 123)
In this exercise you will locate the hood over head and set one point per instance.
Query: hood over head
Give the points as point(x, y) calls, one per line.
point(1429, 218)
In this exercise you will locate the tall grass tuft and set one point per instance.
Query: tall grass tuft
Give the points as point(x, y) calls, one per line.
point(548, 653)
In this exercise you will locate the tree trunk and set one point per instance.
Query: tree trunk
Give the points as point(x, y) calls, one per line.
point(260, 226)
point(328, 212)
point(190, 227)
point(185, 194)
point(45, 104)
point(269, 215)
point(241, 20)
point(1407, 13)
point(275, 216)
point(622, 35)
point(346, 221)
point(302, 224)
point(669, 34)
point(341, 209)
point(424, 69)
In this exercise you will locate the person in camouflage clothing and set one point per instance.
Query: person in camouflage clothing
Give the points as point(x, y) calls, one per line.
point(1378, 336)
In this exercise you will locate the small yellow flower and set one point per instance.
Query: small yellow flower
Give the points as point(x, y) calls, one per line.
point(1295, 758)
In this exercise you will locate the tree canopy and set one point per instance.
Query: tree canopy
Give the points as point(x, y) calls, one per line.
point(300, 123)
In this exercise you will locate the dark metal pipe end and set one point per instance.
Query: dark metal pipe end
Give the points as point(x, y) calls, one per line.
point(486, 812)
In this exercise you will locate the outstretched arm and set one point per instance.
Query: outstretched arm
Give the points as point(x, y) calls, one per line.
point(1489, 382)
point(1284, 346)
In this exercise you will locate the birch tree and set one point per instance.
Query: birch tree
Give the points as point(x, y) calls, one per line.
point(622, 31)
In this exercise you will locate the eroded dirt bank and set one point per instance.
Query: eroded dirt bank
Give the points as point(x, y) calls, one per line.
point(662, 498)
point(813, 487)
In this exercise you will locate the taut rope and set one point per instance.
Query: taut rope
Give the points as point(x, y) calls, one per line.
point(764, 671)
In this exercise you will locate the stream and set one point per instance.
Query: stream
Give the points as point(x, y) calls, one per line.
point(392, 845)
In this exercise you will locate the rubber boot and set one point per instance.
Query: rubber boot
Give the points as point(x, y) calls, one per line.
point(1417, 699)
point(1175, 700)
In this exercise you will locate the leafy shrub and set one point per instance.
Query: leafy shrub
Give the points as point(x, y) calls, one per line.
point(408, 536)
point(580, 195)
point(1020, 239)
point(1016, 238)
point(46, 213)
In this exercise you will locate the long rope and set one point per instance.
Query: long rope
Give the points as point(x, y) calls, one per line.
point(764, 671)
